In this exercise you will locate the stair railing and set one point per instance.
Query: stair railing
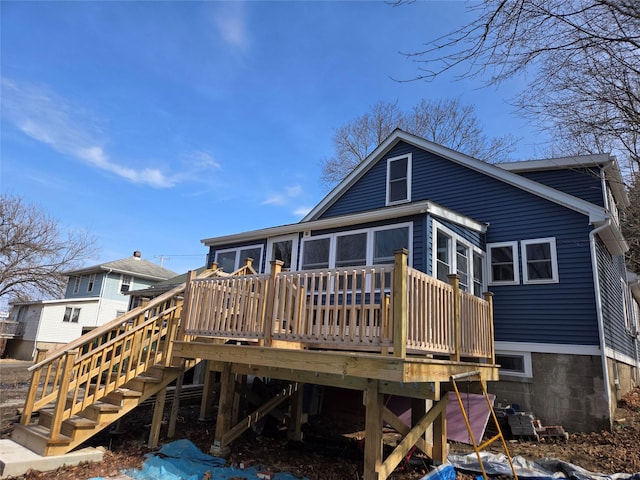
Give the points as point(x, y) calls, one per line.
point(89, 368)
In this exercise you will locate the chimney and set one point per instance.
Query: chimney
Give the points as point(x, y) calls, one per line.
point(137, 254)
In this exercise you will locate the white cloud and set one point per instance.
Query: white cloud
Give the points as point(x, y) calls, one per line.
point(293, 191)
point(275, 199)
point(230, 20)
point(283, 198)
point(50, 119)
point(301, 211)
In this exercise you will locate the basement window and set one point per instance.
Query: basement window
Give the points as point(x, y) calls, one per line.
point(517, 364)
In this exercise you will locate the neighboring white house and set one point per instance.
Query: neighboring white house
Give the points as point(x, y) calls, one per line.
point(94, 295)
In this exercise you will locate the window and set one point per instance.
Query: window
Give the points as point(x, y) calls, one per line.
point(443, 257)
point(71, 314)
point(453, 254)
point(517, 364)
point(315, 253)
point(282, 248)
point(539, 263)
point(630, 321)
point(232, 259)
point(399, 179)
point(92, 282)
point(388, 240)
point(503, 262)
point(372, 246)
point(76, 284)
point(125, 283)
point(351, 250)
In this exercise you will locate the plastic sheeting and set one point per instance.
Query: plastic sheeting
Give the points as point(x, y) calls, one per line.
point(182, 460)
point(543, 469)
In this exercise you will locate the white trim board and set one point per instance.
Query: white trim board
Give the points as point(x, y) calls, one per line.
point(621, 357)
point(559, 348)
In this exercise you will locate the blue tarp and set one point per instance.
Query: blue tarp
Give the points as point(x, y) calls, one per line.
point(182, 460)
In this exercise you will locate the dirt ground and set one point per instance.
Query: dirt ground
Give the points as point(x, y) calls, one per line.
point(325, 454)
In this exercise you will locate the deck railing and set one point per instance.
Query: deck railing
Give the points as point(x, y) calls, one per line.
point(385, 308)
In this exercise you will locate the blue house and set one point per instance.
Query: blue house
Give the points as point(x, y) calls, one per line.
point(543, 236)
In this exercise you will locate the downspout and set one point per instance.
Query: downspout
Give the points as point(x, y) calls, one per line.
point(596, 288)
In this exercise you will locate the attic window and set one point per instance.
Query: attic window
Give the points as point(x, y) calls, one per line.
point(399, 179)
point(125, 285)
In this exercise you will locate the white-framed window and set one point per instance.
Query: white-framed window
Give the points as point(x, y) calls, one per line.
point(125, 282)
point(91, 283)
point(231, 259)
point(372, 246)
point(539, 261)
point(399, 179)
point(76, 284)
point(283, 248)
point(453, 254)
point(515, 364)
point(503, 263)
point(628, 306)
point(71, 315)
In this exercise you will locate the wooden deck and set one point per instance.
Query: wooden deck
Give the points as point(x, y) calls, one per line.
point(384, 329)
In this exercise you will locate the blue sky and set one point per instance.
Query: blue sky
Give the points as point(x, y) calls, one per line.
point(154, 125)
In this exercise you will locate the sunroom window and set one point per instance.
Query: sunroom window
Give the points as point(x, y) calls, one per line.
point(386, 241)
point(443, 256)
point(232, 259)
point(351, 250)
point(315, 253)
point(462, 265)
point(454, 254)
point(399, 179)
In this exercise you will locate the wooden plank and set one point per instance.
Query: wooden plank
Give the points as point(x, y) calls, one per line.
point(440, 447)
point(400, 303)
point(158, 413)
point(294, 432)
point(225, 405)
point(403, 429)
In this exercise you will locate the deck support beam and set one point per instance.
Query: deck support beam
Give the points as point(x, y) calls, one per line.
point(373, 402)
point(295, 415)
point(225, 405)
point(158, 413)
point(206, 405)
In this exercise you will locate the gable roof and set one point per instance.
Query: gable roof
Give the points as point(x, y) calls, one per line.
point(134, 265)
point(597, 215)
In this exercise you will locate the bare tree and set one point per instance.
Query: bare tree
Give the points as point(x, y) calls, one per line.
point(582, 58)
point(631, 224)
point(35, 252)
point(446, 122)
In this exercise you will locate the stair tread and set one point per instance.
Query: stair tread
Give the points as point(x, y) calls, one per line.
point(106, 407)
point(43, 432)
point(127, 392)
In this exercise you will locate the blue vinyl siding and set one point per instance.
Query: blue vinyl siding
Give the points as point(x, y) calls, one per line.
point(583, 183)
point(611, 271)
point(549, 313)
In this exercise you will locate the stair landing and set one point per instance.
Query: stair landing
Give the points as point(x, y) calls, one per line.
point(16, 459)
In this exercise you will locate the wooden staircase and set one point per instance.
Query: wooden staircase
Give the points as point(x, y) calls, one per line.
point(81, 389)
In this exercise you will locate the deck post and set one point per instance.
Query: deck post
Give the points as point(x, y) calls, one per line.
point(175, 404)
point(295, 417)
point(206, 405)
point(276, 268)
point(373, 430)
point(158, 413)
point(454, 281)
point(186, 304)
point(399, 314)
point(440, 447)
point(488, 296)
point(25, 418)
point(225, 405)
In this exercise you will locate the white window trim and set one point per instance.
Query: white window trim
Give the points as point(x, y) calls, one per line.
point(294, 249)
point(370, 239)
point(554, 261)
point(528, 369)
point(455, 238)
point(409, 158)
point(515, 262)
point(256, 261)
point(630, 322)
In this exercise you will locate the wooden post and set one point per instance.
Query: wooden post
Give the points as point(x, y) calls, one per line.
point(276, 268)
point(373, 431)
point(223, 423)
point(454, 281)
point(488, 296)
point(25, 418)
point(206, 405)
point(175, 404)
point(295, 417)
point(399, 314)
point(440, 447)
point(63, 390)
point(419, 407)
point(186, 305)
point(158, 413)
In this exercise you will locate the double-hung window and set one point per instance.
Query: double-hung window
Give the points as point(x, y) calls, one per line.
point(71, 314)
point(456, 255)
point(539, 262)
point(399, 179)
point(92, 282)
point(503, 263)
point(76, 284)
point(125, 283)
point(444, 263)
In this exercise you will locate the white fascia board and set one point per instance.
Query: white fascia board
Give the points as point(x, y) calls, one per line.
point(379, 214)
point(557, 348)
point(596, 214)
point(613, 239)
